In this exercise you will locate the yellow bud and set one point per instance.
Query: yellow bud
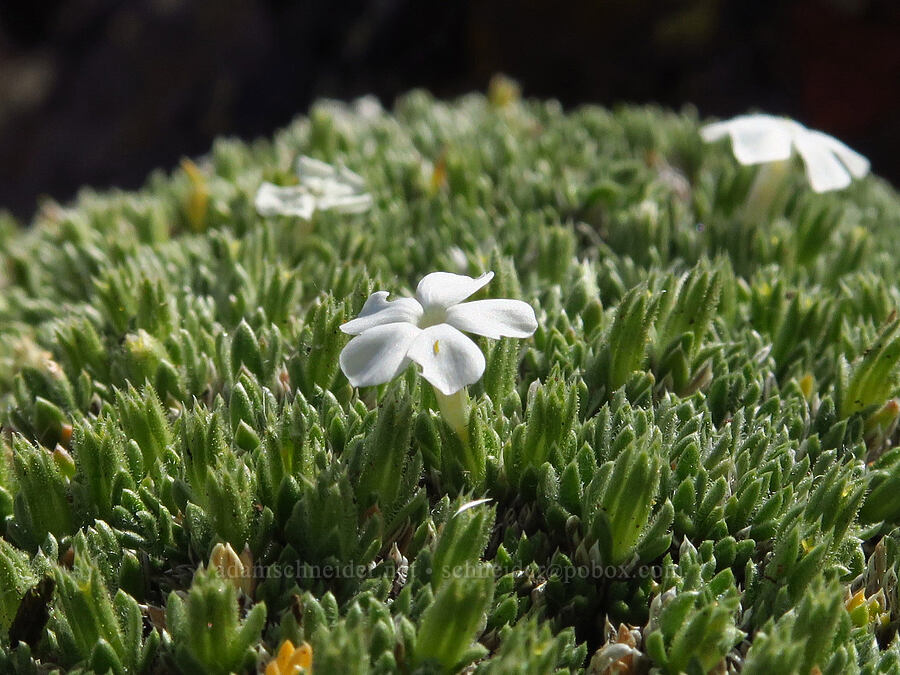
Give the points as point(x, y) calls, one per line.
point(233, 568)
point(503, 91)
point(855, 600)
point(438, 177)
point(198, 196)
point(807, 383)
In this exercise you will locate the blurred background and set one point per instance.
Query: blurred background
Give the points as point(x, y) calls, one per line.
point(101, 92)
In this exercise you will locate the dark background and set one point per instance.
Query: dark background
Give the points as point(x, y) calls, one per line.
point(101, 92)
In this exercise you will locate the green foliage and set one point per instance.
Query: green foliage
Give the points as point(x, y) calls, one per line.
point(454, 619)
point(208, 633)
point(873, 378)
point(814, 635)
point(41, 505)
point(387, 474)
point(533, 643)
point(365, 636)
point(17, 577)
point(461, 542)
point(698, 443)
point(617, 500)
point(692, 625)
point(103, 633)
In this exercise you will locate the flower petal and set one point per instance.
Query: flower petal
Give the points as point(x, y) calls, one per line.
point(368, 107)
point(824, 170)
point(442, 289)
point(449, 360)
point(309, 167)
point(855, 162)
point(494, 318)
point(755, 138)
point(715, 131)
point(345, 204)
point(321, 176)
point(293, 200)
point(379, 354)
point(471, 505)
point(378, 311)
point(352, 179)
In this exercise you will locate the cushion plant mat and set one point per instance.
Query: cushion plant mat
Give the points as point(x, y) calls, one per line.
point(688, 468)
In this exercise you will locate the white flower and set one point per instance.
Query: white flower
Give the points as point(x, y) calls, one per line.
point(426, 330)
point(765, 138)
point(322, 187)
point(368, 107)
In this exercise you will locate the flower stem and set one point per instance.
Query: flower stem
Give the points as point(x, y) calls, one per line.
point(455, 410)
point(765, 189)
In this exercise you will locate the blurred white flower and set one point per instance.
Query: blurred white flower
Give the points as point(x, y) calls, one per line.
point(426, 330)
point(759, 138)
point(368, 107)
point(458, 257)
point(322, 187)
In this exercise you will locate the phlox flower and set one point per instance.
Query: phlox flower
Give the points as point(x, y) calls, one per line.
point(321, 187)
point(428, 330)
point(759, 138)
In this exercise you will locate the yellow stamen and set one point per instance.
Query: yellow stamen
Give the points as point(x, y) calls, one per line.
point(437, 347)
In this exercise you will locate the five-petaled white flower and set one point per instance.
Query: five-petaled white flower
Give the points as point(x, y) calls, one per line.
point(322, 187)
point(426, 330)
point(765, 138)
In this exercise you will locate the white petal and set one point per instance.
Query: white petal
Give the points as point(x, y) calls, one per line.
point(494, 318)
point(442, 289)
point(855, 162)
point(823, 169)
point(293, 200)
point(378, 311)
point(351, 178)
point(755, 138)
point(378, 355)
point(713, 132)
point(449, 360)
point(471, 505)
point(308, 167)
point(346, 204)
point(368, 107)
point(321, 176)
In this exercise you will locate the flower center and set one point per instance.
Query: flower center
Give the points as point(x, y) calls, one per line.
point(433, 316)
